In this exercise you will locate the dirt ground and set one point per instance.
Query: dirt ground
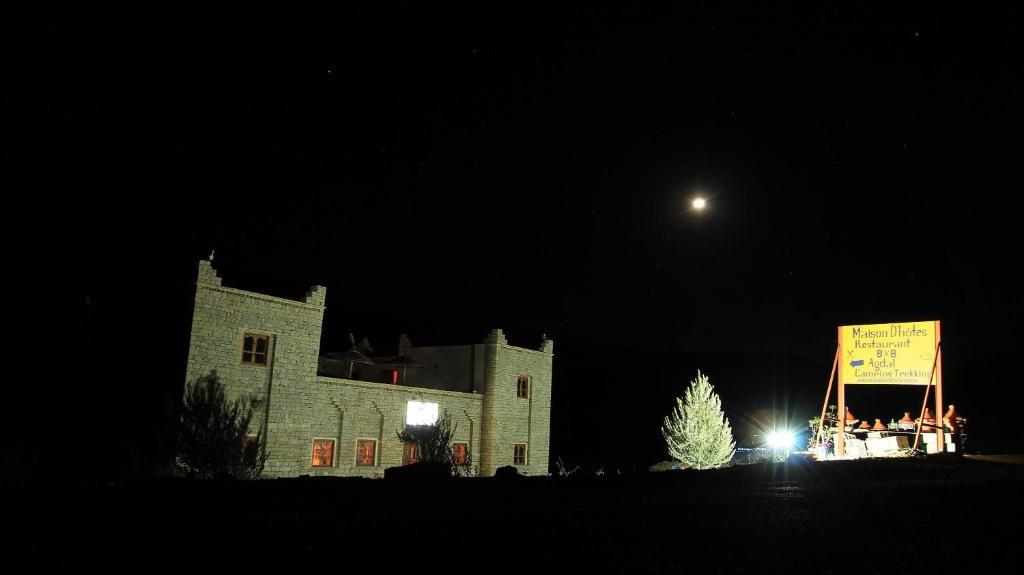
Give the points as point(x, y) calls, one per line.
point(941, 514)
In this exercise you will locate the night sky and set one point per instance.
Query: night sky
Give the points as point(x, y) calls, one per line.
point(445, 171)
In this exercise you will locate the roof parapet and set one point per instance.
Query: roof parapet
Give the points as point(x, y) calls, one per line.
point(207, 275)
point(496, 336)
point(547, 345)
point(317, 295)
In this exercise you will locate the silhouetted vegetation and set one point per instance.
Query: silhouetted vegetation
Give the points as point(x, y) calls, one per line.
point(827, 431)
point(214, 439)
point(434, 444)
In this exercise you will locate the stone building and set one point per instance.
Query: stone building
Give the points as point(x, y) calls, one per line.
point(325, 417)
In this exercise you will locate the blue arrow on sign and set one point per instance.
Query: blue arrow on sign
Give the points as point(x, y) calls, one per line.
point(857, 363)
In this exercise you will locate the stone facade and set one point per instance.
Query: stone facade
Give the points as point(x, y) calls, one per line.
point(509, 419)
point(299, 406)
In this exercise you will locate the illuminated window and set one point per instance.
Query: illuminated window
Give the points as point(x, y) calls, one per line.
point(254, 348)
point(459, 452)
point(366, 452)
point(519, 454)
point(523, 387)
point(323, 453)
point(410, 453)
point(420, 413)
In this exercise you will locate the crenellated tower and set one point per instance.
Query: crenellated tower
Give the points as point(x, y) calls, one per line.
point(516, 406)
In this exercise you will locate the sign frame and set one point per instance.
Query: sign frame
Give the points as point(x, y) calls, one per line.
point(935, 378)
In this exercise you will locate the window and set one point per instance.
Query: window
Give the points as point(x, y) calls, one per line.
point(523, 387)
point(459, 452)
point(323, 453)
point(420, 413)
point(249, 447)
point(366, 452)
point(519, 454)
point(410, 453)
point(254, 349)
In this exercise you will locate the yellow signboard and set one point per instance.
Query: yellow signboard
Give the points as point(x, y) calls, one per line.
point(890, 353)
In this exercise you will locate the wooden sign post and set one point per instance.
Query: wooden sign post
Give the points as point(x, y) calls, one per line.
point(818, 435)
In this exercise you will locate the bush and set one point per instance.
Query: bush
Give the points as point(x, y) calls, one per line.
point(214, 440)
point(826, 430)
point(434, 443)
point(564, 470)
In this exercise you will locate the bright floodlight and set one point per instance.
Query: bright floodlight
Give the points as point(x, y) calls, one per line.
point(699, 203)
point(781, 439)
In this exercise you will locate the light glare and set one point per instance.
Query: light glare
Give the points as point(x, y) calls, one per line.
point(781, 439)
point(699, 203)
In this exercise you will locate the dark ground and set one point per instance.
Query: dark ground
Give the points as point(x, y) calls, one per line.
point(895, 516)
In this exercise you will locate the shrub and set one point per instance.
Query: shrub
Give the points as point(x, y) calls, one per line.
point(213, 439)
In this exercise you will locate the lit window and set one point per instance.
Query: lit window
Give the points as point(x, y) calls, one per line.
point(410, 453)
point(519, 454)
point(459, 452)
point(323, 453)
point(420, 413)
point(523, 387)
point(366, 452)
point(254, 348)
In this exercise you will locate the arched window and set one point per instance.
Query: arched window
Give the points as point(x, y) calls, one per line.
point(523, 387)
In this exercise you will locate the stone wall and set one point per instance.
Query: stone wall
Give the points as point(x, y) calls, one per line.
point(508, 419)
point(221, 316)
point(345, 410)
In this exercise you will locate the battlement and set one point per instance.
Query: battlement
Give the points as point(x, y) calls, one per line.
point(207, 277)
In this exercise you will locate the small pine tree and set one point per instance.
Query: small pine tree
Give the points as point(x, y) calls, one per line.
point(213, 439)
point(697, 432)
